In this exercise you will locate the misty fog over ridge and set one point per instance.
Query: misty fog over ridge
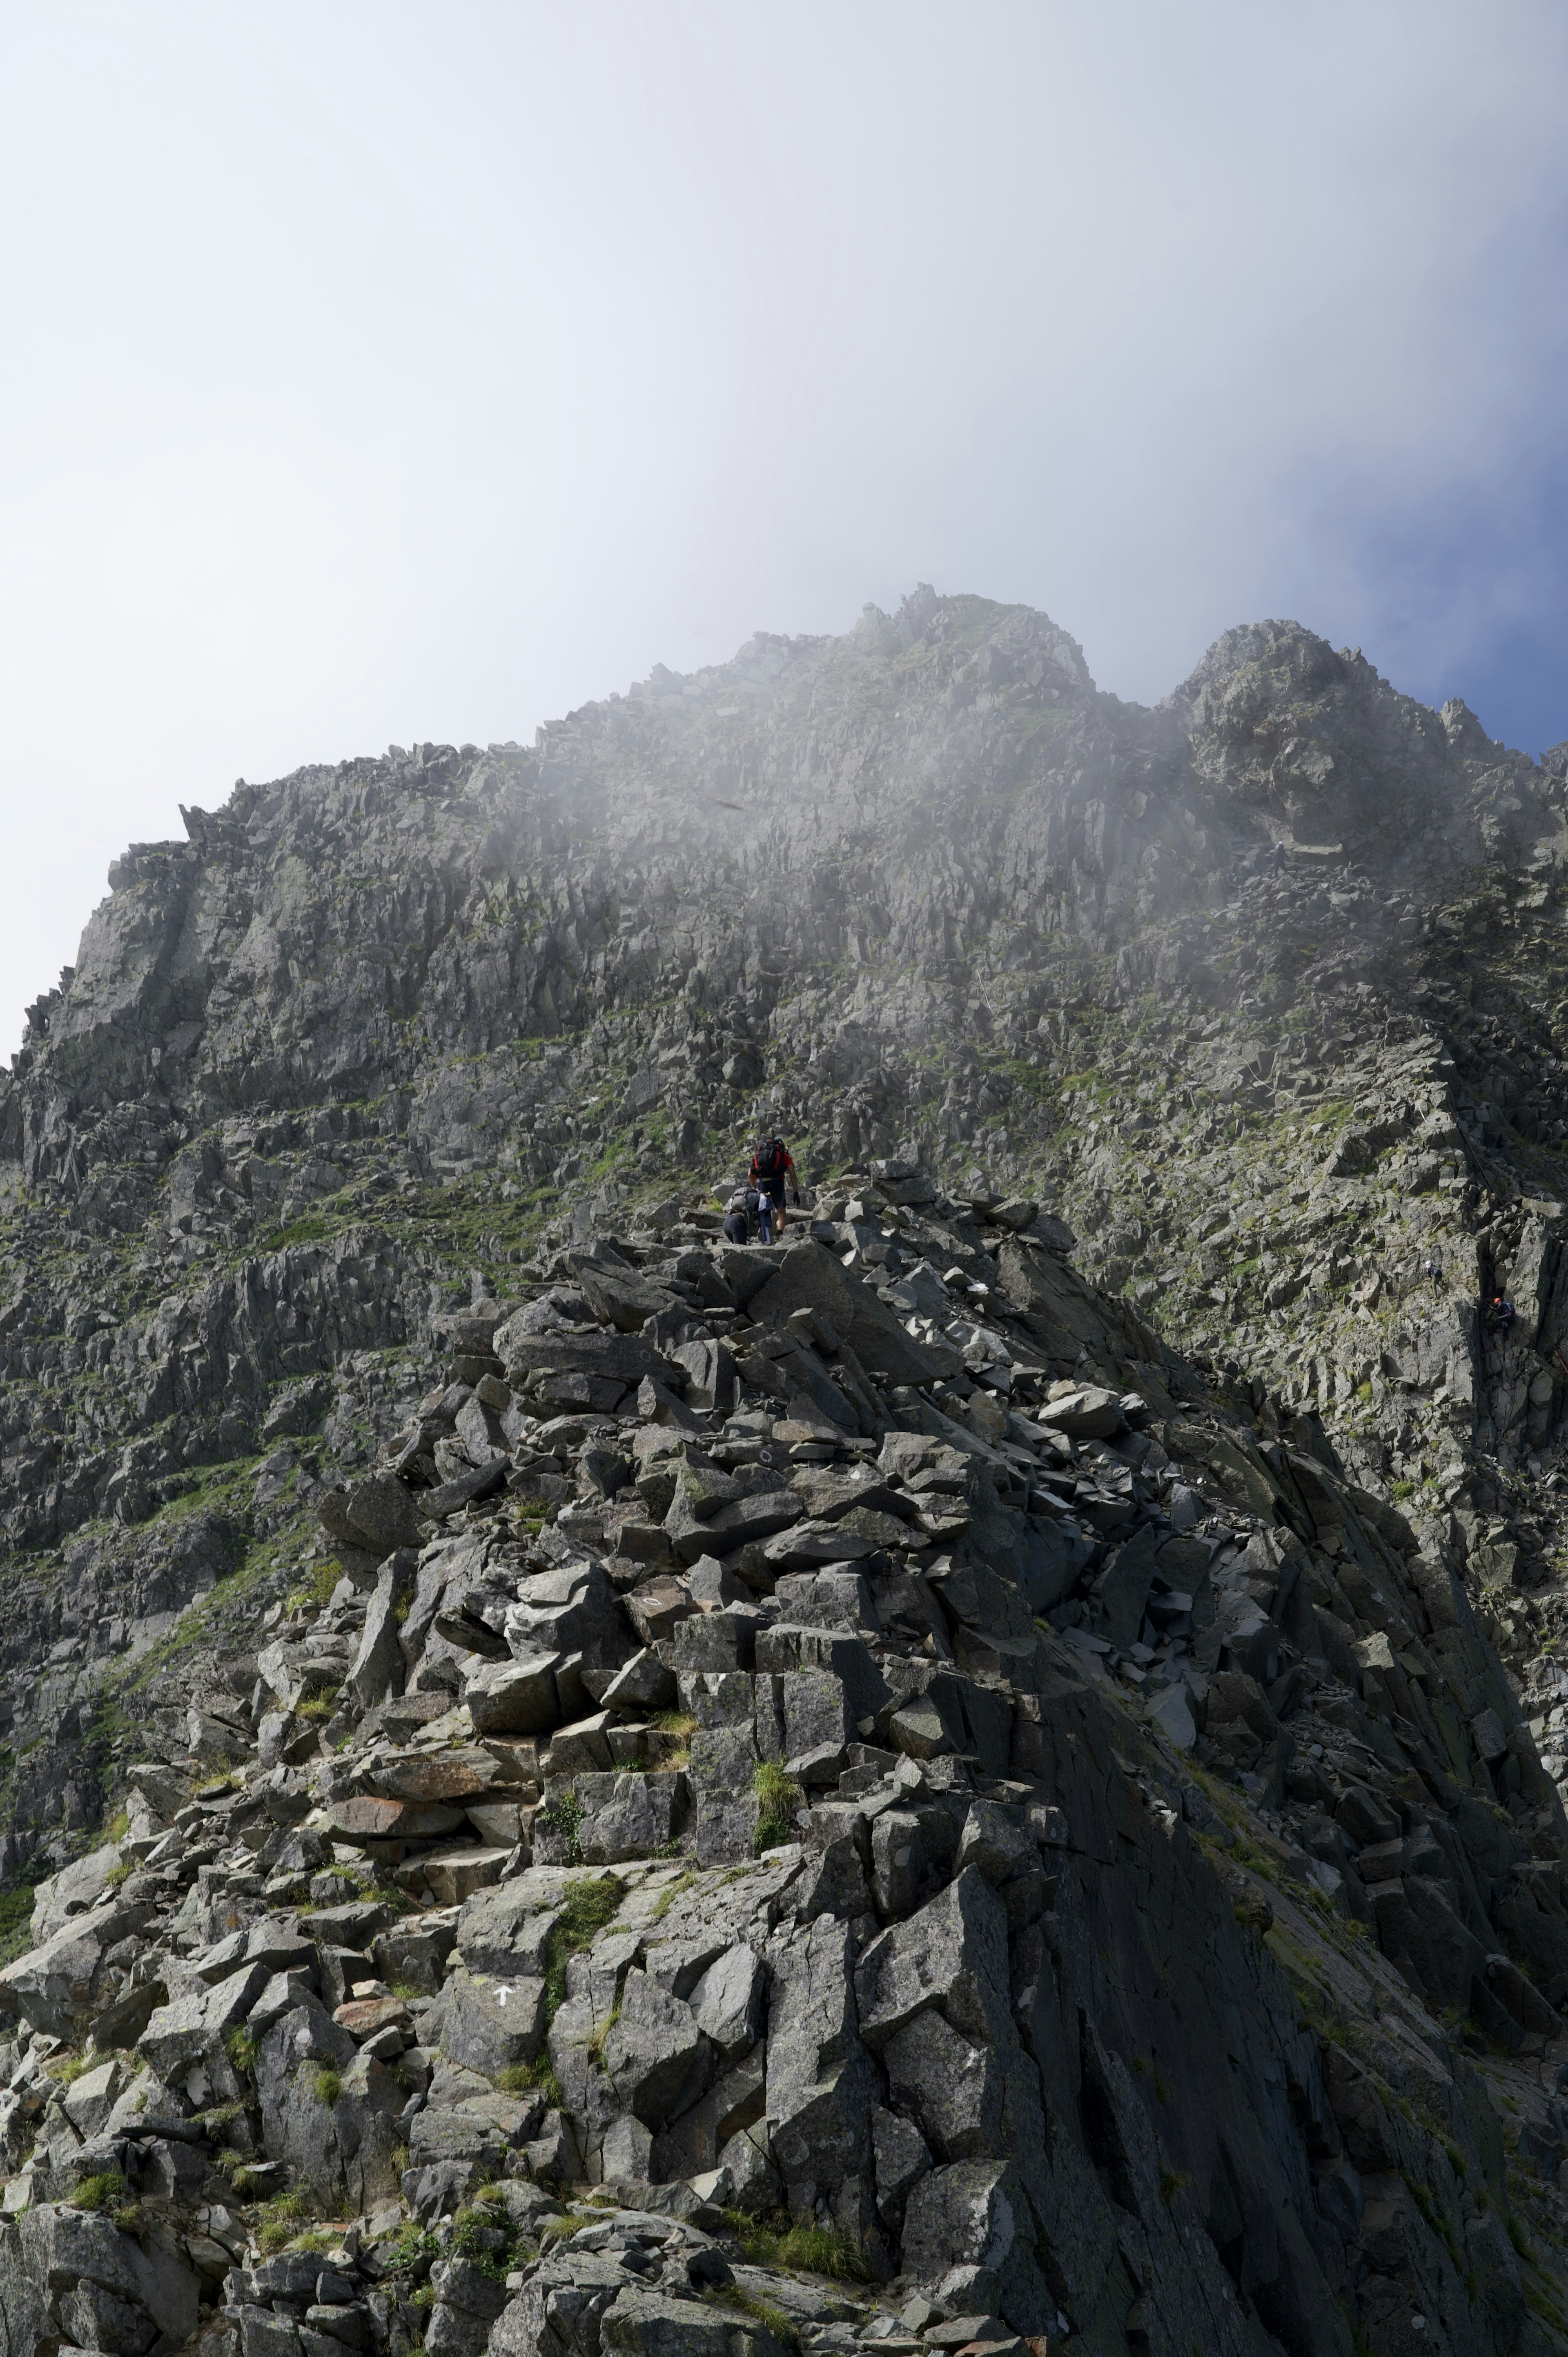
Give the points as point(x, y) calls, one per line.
point(344, 414)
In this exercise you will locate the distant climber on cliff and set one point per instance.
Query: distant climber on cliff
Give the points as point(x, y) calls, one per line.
point(771, 1165)
point(1500, 1313)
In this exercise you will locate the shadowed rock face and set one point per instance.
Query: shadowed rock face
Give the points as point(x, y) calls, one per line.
point(955, 1778)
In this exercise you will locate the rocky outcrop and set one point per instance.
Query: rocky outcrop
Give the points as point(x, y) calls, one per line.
point(1058, 1860)
point(987, 1773)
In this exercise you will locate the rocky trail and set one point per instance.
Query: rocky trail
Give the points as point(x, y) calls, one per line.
point(985, 1775)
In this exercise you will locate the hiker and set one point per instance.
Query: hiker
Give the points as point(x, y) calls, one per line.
point(737, 1225)
point(767, 1211)
point(1500, 1313)
point(771, 1166)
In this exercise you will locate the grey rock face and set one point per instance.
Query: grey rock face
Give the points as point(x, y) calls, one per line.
point(613, 1721)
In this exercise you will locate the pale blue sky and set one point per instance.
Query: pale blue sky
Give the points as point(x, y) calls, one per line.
point(387, 372)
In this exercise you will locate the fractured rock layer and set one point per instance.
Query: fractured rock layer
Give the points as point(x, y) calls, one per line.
point(575, 1785)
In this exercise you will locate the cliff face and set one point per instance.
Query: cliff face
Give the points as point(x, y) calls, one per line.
point(1015, 1740)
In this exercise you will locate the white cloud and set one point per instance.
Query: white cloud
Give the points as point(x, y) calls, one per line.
point(385, 373)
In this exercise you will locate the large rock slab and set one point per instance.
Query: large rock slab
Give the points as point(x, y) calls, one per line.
point(967, 2237)
point(328, 2111)
point(820, 2080)
point(59, 1987)
point(808, 1276)
point(617, 1358)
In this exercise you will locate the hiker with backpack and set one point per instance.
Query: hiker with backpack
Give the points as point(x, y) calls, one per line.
point(737, 1223)
point(771, 1165)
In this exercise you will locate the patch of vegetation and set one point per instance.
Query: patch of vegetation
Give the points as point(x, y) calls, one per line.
point(241, 2048)
point(282, 2219)
point(674, 1890)
point(325, 2083)
point(484, 2239)
point(320, 1706)
point(597, 2042)
point(778, 1798)
point(585, 1908)
point(562, 2229)
point(105, 2190)
point(67, 2068)
point(412, 2253)
point(17, 1921)
point(523, 2078)
point(785, 2242)
point(243, 2171)
point(674, 1722)
point(311, 1229)
point(312, 1593)
point(563, 1815)
point(745, 2303)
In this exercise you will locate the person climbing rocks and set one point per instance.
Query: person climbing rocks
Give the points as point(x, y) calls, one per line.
point(737, 1224)
point(767, 1213)
point(772, 1166)
point(1500, 1313)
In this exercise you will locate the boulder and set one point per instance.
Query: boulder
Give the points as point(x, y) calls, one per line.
point(808, 1276)
point(953, 1954)
point(516, 1697)
point(76, 1889)
point(377, 1669)
point(623, 1359)
point(329, 2113)
point(656, 2056)
point(375, 1516)
point(967, 2237)
point(642, 1683)
point(491, 2024)
point(178, 2034)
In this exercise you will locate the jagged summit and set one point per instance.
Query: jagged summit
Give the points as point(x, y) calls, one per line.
point(995, 1772)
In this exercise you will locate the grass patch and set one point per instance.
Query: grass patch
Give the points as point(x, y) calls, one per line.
point(412, 2251)
point(667, 1898)
point(778, 1798)
point(785, 2242)
point(105, 2190)
point(16, 1923)
point(243, 2171)
point(674, 1722)
point(313, 1592)
point(318, 1707)
point(311, 1229)
point(562, 2229)
point(67, 2068)
point(485, 2239)
point(240, 2049)
point(745, 2303)
point(597, 2042)
point(325, 2083)
point(524, 2078)
point(585, 1908)
point(282, 2219)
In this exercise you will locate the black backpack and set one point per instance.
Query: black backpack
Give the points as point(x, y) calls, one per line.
point(769, 1158)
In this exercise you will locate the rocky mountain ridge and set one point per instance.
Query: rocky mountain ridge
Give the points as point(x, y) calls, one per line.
point(823, 1690)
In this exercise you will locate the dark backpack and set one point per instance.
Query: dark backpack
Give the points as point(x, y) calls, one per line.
point(769, 1158)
